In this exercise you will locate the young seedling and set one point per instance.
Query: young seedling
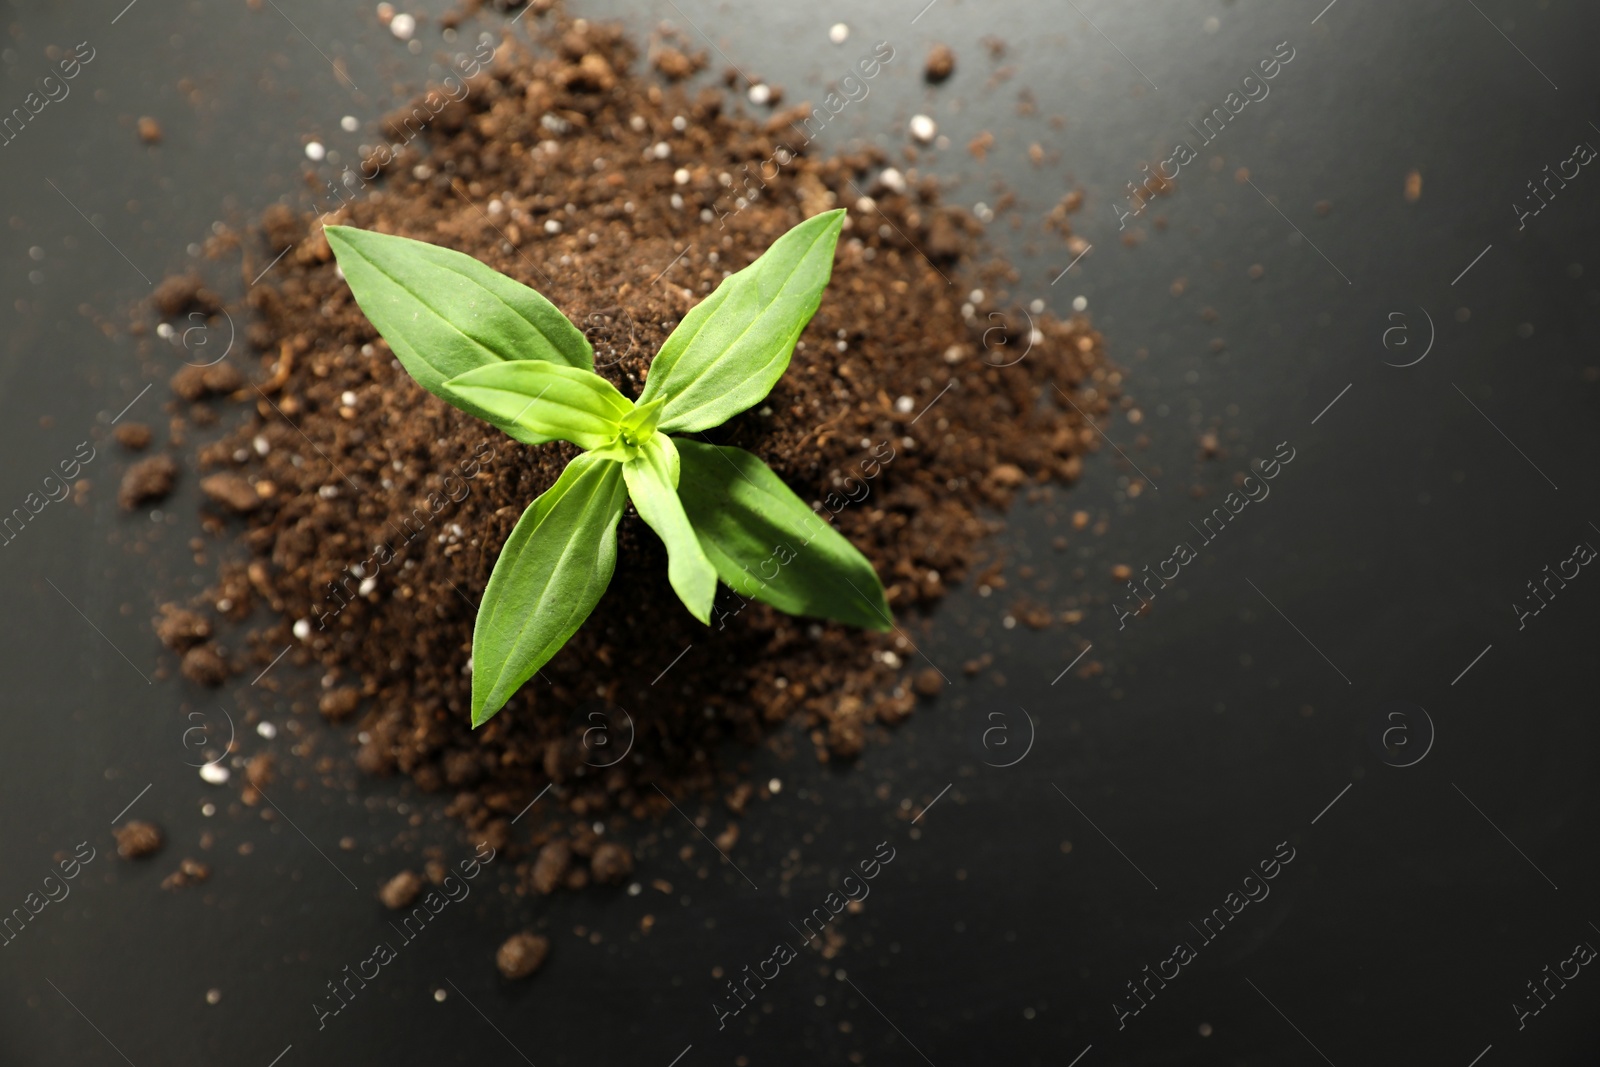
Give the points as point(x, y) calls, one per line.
point(501, 352)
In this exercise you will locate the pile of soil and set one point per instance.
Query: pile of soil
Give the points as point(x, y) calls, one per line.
point(905, 414)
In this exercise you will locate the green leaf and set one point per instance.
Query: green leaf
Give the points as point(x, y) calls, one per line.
point(652, 478)
point(444, 313)
point(548, 400)
point(550, 575)
point(766, 544)
point(731, 349)
point(641, 422)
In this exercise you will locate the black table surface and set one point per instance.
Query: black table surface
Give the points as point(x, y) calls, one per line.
point(1348, 688)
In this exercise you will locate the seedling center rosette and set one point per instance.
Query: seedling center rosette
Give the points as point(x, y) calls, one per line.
point(499, 351)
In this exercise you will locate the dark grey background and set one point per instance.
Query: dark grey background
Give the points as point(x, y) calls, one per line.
point(1417, 906)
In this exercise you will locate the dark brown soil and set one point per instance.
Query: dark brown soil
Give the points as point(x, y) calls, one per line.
point(180, 629)
point(134, 436)
point(137, 839)
point(182, 293)
point(549, 871)
point(196, 383)
point(203, 665)
point(611, 863)
point(399, 891)
point(896, 417)
point(189, 872)
point(675, 65)
point(233, 492)
point(147, 481)
point(522, 954)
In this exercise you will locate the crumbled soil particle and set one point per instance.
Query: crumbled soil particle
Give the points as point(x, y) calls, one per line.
point(337, 704)
point(634, 250)
point(147, 482)
point(203, 666)
point(462, 768)
point(180, 629)
point(259, 771)
point(522, 954)
point(232, 491)
point(846, 735)
point(675, 65)
point(282, 227)
point(399, 891)
point(551, 867)
point(149, 130)
point(137, 839)
point(189, 872)
point(611, 863)
point(1007, 475)
point(134, 436)
point(739, 797)
point(194, 383)
point(1058, 219)
point(941, 63)
point(185, 292)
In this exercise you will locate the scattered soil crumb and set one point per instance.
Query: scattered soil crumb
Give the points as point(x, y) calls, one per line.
point(1413, 187)
point(338, 703)
point(232, 491)
point(149, 130)
point(179, 629)
point(137, 839)
point(204, 666)
point(1058, 219)
point(611, 863)
point(195, 383)
point(134, 436)
point(147, 482)
point(399, 891)
point(185, 292)
point(259, 771)
point(1007, 475)
point(522, 954)
point(941, 63)
point(675, 65)
point(551, 867)
point(189, 872)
